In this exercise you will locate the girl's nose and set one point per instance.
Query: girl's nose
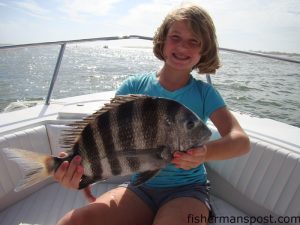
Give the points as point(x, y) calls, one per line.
point(184, 44)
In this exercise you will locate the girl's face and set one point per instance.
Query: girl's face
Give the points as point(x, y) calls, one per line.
point(182, 47)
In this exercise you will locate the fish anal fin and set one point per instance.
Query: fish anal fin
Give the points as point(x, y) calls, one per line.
point(144, 176)
point(85, 181)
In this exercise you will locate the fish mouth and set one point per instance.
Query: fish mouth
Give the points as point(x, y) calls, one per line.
point(202, 142)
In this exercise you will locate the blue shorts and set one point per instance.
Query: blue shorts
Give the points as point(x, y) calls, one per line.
point(157, 197)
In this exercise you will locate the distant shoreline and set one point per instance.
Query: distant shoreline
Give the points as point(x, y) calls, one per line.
point(256, 51)
point(277, 53)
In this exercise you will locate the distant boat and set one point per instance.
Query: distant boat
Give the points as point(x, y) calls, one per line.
point(105, 46)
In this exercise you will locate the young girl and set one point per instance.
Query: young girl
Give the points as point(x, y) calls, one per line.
point(185, 41)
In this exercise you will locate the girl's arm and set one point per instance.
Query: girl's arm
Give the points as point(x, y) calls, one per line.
point(233, 142)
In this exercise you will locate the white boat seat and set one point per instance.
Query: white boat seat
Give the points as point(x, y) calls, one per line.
point(264, 182)
point(34, 139)
point(50, 203)
point(261, 183)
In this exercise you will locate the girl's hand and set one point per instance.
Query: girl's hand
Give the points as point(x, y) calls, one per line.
point(190, 159)
point(69, 175)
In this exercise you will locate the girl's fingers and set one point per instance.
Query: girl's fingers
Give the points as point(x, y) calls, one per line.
point(71, 171)
point(74, 182)
point(190, 159)
point(198, 152)
point(61, 171)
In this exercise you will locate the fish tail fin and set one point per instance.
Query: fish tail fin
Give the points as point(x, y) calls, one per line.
point(35, 167)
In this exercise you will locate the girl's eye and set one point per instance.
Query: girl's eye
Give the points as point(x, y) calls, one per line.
point(194, 43)
point(174, 38)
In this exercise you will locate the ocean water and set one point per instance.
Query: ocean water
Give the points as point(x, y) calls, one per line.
point(257, 86)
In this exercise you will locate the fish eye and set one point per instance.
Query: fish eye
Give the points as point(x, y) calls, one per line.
point(190, 125)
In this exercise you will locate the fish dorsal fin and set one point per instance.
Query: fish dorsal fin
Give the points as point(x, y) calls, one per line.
point(127, 98)
point(114, 102)
point(69, 136)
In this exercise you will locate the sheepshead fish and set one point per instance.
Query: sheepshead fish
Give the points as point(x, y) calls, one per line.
point(133, 133)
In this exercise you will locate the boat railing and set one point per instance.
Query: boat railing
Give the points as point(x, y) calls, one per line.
point(112, 38)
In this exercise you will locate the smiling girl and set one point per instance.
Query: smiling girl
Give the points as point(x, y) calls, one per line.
point(185, 41)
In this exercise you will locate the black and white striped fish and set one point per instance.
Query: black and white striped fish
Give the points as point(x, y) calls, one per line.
point(133, 133)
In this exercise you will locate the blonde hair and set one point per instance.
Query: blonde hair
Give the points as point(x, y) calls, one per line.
point(202, 25)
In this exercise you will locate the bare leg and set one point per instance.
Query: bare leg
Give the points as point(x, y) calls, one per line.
point(115, 207)
point(182, 211)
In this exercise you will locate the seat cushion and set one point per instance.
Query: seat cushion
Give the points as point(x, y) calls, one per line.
point(267, 178)
point(49, 204)
point(33, 139)
point(54, 132)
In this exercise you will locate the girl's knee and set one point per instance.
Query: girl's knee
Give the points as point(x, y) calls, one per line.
point(90, 214)
point(69, 219)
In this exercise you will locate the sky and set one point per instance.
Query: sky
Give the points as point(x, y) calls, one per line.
point(266, 25)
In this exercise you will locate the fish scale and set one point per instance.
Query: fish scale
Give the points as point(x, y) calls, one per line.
point(87, 142)
point(126, 134)
point(108, 143)
point(151, 120)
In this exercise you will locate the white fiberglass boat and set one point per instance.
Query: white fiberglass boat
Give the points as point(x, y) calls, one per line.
point(262, 187)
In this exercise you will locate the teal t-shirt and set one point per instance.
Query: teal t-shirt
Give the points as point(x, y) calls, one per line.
point(198, 96)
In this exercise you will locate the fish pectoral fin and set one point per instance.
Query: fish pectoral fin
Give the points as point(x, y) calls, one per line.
point(144, 176)
point(166, 154)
